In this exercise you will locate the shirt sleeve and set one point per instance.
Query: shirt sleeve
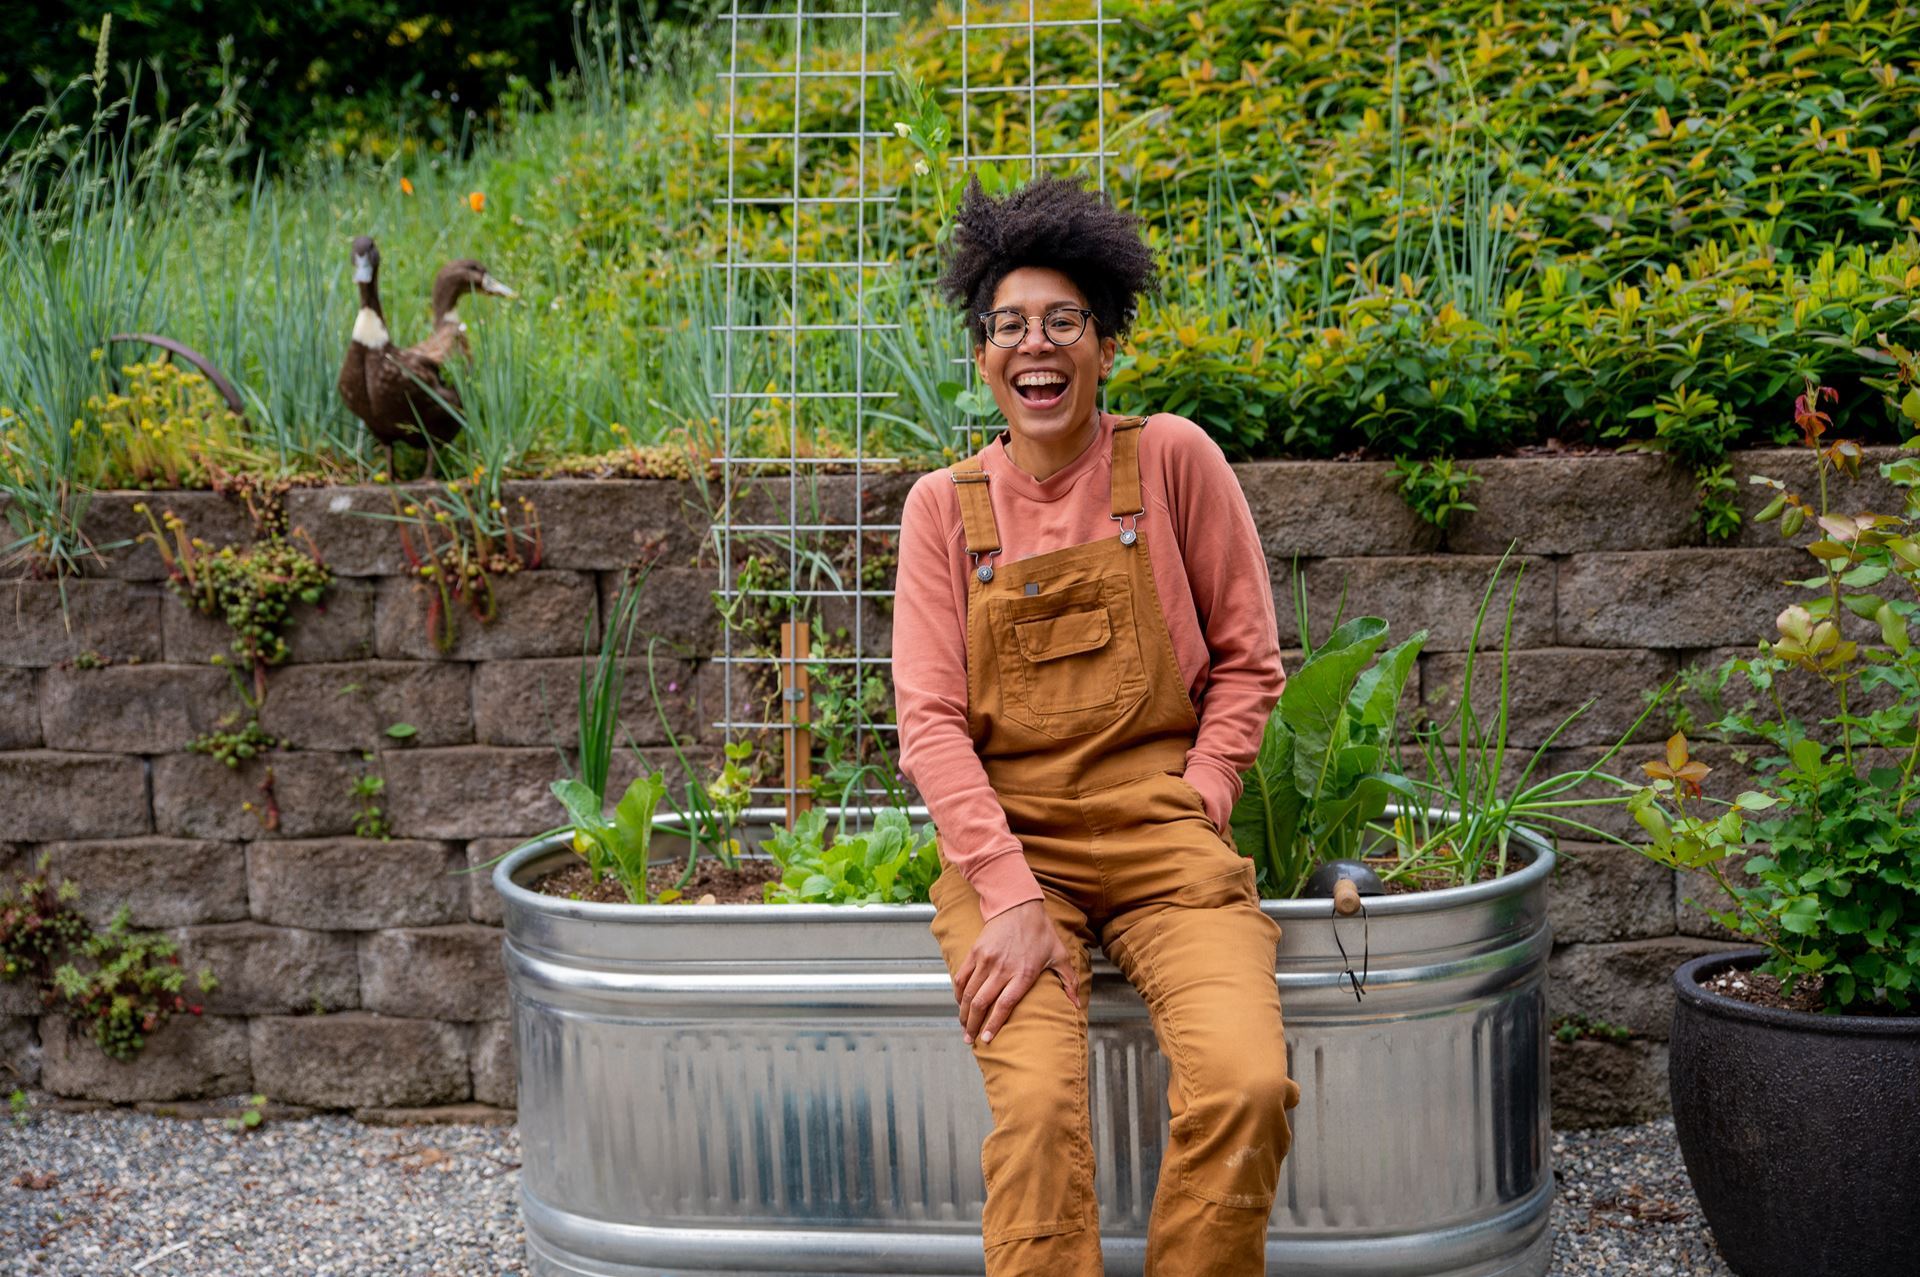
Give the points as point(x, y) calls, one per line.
point(1226, 568)
point(930, 704)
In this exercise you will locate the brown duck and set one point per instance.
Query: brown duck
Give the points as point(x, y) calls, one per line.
point(399, 393)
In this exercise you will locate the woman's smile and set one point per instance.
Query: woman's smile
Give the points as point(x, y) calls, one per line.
point(1047, 383)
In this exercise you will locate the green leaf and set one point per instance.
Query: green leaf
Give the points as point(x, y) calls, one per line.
point(1313, 703)
point(400, 731)
point(1376, 693)
point(1753, 801)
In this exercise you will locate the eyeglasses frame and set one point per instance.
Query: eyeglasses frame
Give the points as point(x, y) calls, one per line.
point(986, 329)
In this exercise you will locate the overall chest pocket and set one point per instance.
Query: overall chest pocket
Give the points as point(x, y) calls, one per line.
point(1072, 657)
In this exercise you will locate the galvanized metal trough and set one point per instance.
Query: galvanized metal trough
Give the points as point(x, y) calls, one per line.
point(782, 1089)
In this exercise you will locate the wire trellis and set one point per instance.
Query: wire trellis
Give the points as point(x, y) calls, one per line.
point(820, 268)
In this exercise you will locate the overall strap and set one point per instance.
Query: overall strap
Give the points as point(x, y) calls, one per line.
point(1126, 468)
point(976, 508)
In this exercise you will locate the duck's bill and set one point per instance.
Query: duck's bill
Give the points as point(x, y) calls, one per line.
point(362, 271)
point(489, 284)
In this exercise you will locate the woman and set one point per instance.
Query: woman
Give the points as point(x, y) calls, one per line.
point(1084, 657)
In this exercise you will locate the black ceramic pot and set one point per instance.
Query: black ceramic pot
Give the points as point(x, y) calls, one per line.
point(1801, 1132)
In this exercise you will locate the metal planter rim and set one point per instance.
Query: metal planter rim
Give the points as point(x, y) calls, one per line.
point(521, 863)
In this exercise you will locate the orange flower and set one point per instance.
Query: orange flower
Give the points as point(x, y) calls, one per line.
point(477, 201)
point(406, 187)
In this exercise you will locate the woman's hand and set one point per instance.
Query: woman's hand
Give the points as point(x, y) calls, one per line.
point(1013, 948)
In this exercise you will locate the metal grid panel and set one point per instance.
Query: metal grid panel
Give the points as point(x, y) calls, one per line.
point(810, 24)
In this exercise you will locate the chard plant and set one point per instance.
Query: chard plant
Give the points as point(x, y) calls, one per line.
point(1323, 772)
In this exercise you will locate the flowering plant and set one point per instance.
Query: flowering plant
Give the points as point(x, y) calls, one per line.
point(1830, 837)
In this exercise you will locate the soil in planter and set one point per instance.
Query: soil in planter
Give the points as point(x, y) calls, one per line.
point(710, 877)
point(1761, 990)
point(1427, 879)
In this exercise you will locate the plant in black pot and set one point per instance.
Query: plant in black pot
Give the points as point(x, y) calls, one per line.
point(1795, 1066)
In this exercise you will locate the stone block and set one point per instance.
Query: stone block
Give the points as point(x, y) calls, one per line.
point(19, 709)
point(1695, 892)
point(1576, 505)
point(1330, 508)
point(188, 1057)
point(47, 794)
point(495, 1075)
point(1545, 686)
point(19, 1052)
point(355, 1059)
point(472, 791)
point(537, 702)
point(538, 614)
point(1601, 1083)
point(132, 709)
point(483, 902)
point(353, 527)
point(436, 973)
point(337, 628)
point(1624, 983)
point(436, 1115)
point(197, 796)
point(1676, 598)
point(355, 884)
point(1440, 595)
point(677, 605)
point(271, 970)
point(1601, 891)
point(1796, 468)
point(117, 620)
point(163, 882)
point(351, 706)
point(212, 517)
point(603, 524)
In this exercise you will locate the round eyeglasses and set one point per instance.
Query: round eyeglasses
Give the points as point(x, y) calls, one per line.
point(1062, 325)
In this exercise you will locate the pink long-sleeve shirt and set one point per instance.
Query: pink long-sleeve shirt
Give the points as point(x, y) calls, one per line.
point(1211, 575)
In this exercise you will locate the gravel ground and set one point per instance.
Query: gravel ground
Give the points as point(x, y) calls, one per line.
point(329, 1196)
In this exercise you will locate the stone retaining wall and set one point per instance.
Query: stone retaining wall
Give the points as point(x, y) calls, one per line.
point(360, 973)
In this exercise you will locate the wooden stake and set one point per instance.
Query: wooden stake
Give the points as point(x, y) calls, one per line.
point(797, 713)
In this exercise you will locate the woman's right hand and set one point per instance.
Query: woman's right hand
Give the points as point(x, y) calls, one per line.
point(1013, 948)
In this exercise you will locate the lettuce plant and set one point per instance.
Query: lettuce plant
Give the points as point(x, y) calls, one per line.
point(890, 864)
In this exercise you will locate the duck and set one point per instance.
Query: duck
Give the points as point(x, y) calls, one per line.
point(399, 394)
point(369, 331)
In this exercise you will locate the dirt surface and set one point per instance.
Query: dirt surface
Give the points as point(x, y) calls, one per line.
point(710, 878)
point(1427, 880)
point(1758, 989)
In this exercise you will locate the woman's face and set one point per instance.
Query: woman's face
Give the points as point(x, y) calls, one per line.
point(1047, 392)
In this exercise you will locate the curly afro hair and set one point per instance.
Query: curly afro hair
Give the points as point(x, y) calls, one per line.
point(1055, 223)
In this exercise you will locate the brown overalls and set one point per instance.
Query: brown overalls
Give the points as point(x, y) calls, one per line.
point(1081, 717)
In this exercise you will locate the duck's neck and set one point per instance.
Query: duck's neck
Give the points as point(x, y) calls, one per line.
point(447, 295)
point(370, 325)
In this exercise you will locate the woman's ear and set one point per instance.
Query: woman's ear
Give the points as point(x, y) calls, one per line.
point(1108, 349)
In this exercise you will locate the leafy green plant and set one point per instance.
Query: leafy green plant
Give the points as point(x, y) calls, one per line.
point(1829, 835)
point(251, 1115)
point(1433, 488)
point(366, 790)
point(620, 846)
point(889, 864)
point(252, 589)
point(1323, 770)
point(19, 1107)
point(233, 743)
point(1571, 1028)
point(122, 984)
